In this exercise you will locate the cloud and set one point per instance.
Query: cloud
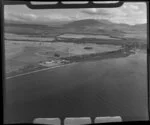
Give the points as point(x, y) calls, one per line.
point(58, 17)
point(129, 13)
point(134, 7)
point(95, 11)
point(104, 12)
point(19, 16)
point(33, 17)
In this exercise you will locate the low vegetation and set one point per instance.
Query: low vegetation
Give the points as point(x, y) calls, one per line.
point(88, 48)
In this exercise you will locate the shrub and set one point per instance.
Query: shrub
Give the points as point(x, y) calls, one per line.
point(88, 47)
point(56, 55)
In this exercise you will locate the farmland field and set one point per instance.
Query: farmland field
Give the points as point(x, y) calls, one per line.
point(20, 53)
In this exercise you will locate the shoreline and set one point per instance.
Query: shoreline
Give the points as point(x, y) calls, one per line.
point(72, 60)
point(44, 69)
point(124, 51)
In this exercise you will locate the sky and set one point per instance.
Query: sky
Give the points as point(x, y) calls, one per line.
point(131, 13)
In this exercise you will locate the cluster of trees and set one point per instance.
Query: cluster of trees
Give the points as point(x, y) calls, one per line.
point(56, 55)
point(88, 47)
point(88, 56)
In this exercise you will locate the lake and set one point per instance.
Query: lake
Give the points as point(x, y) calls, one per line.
point(80, 36)
point(87, 89)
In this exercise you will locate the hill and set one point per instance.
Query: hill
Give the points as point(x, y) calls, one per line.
point(86, 26)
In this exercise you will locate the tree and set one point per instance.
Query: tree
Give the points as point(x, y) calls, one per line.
point(56, 55)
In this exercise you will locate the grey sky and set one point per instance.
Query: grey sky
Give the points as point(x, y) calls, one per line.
point(129, 13)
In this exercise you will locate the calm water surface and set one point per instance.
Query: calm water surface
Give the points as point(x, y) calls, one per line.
point(89, 89)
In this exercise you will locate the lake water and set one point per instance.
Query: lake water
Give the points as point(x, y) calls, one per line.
point(79, 36)
point(90, 89)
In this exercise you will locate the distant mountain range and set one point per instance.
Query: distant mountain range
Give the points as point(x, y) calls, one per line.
point(90, 26)
point(101, 24)
point(78, 23)
point(106, 27)
point(49, 23)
